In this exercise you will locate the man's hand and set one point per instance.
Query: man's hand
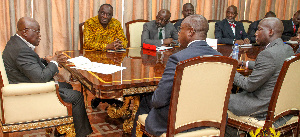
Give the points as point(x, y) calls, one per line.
point(240, 63)
point(239, 42)
point(293, 38)
point(246, 41)
point(168, 41)
point(117, 44)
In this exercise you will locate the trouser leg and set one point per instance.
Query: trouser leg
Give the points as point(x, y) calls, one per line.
point(80, 118)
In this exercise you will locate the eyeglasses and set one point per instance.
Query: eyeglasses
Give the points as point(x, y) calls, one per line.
point(36, 31)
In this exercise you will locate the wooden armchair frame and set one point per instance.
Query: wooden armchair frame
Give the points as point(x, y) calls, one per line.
point(171, 130)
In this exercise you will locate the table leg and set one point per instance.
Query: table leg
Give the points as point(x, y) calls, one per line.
point(115, 112)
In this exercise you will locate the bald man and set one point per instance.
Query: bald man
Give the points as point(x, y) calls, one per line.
point(187, 10)
point(258, 87)
point(23, 65)
point(160, 31)
point(192, 35)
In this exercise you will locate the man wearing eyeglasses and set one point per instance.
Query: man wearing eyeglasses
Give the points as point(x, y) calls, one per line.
point(103, 32)
point(187, 10)
point(160, 32)
point(229, 31)
point(23, 65)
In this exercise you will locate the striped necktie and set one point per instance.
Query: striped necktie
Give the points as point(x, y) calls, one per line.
point(160, 34)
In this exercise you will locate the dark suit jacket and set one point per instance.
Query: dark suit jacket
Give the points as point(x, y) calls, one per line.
point(288, 31)
point(178, 23)
point(23, 65)
point(251, 31)
point(259, 86)
point(298, 50)
point(224, 33)
point(156, 121)
point(150, 33)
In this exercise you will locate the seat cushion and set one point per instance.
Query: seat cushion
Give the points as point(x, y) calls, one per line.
point(207, 132)
point(246, 120)
point(202, 132)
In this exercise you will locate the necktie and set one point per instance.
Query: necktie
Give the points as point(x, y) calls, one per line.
point(160, 34)
point(231, 24)
point(294, 27)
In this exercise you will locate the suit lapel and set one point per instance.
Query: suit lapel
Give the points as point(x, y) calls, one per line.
point(155, 31)
point(228, 29)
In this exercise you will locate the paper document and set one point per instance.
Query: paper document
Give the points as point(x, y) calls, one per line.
point(163, 48)
point(291, 42)
point(246, 45)
point(212, 42)
point(84, 63)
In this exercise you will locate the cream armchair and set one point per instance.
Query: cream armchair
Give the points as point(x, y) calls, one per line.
point(30, 106)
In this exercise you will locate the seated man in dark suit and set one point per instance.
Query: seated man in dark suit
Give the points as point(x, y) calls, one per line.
point(23, 65)
point(258, 87)
point(160, 32)
point(229, 31)
point(298, 39)
point(290, 27)
point(187, 10)
point(192, 35)
point(253, 26)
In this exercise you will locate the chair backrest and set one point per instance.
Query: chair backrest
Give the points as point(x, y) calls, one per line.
point(246, 24)
point(134, 31)
point(81, 28)
point(197, 82)
point(3, 72)
point(211, 31)
point(285, 99)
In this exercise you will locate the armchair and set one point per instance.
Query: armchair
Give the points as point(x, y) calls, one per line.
point(285, 101)
point(30, 106)
point(194, 89)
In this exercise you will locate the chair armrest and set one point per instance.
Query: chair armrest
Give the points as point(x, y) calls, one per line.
point(28, 88)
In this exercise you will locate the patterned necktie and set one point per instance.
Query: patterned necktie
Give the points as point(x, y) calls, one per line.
point(160, 34)
point(231, 24)
point(294, 27)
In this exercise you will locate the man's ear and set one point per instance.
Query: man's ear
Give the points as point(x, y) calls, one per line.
point(191, 32)
point(271, 32)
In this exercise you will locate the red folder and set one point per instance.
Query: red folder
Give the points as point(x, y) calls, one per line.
point(149, 52)
point(149, 47)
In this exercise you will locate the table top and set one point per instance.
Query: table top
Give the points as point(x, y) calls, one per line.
point(144, 68)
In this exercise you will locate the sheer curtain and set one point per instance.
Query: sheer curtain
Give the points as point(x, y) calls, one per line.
point(59, 19)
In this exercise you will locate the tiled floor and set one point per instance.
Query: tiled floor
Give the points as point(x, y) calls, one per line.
point(102, 124)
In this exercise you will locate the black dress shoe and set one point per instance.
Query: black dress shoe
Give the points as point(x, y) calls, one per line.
point(95, 102)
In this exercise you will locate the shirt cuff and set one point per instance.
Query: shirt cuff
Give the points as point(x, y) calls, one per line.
point(162, 41)
point(247, 64)
point(54, 62)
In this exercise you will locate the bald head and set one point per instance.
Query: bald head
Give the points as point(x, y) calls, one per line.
point(163, 18)
point(29, 29)
point(273, 23)
point(198, 22)
point(269, 29)
point(26, 22)
point(193, 27)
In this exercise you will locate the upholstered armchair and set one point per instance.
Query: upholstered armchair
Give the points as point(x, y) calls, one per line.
point(200, 96)
point(30, 106)
point(285, 101)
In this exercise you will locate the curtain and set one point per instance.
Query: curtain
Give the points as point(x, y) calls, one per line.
point(59, 19)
